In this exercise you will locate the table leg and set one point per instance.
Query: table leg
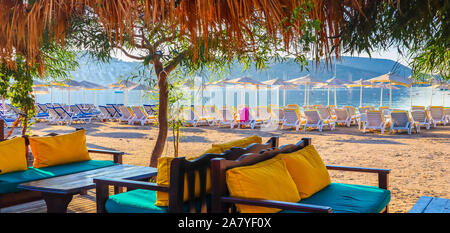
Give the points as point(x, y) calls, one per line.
point(57, 203)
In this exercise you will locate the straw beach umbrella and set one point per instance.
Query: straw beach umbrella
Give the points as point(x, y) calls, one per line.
point(333, 83)
point(141, 88)
point(385, 86)
point(280, 84)
point(392, 79)
point(307, 81)
point(360, 83)
point(123, 85)
point(86, 85)
point(221, 83)
point(70, 85)
point(246, 82)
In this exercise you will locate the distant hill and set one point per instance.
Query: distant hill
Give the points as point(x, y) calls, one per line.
point(349, 68)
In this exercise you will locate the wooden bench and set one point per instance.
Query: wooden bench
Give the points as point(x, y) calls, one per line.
point(20, 197)
point(180, 167)
point(431, 205)
point(223, 203)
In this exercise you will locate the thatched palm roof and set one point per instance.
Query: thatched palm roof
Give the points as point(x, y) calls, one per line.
point(24, 26)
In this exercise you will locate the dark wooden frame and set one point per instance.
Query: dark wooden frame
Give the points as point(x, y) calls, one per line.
point(25, 196)
point(179, 168)
point(223, 203)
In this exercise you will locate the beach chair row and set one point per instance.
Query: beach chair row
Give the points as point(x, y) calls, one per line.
point(316, 116)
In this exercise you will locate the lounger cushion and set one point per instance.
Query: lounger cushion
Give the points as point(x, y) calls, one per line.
point(267, 180)
point(60, 149)
point(349, 198)
point(163, 178)
point(244, 142)
point(9, 182)
point(143, 201)
point(13, 155)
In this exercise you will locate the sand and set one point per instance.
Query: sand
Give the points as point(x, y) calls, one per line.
point(419, 163)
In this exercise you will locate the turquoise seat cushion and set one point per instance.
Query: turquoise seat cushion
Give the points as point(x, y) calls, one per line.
point(349, 198)
point(10, 181)
point(142, 201)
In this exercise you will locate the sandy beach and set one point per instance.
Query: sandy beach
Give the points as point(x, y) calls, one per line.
point(419, 163)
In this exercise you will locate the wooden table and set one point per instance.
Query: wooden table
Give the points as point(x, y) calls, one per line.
point(58, 191)
point(431, 205)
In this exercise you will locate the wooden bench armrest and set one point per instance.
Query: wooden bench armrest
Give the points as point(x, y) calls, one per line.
point(383, 174)
point(358, 169)
point(102, 189)
point(117, 155)
point(279, 205)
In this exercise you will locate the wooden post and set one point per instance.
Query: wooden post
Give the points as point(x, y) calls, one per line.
point(2, 130)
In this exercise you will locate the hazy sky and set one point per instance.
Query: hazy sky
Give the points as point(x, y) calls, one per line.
point(391, 54)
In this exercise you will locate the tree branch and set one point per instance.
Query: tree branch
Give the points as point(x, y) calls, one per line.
point(175, 61)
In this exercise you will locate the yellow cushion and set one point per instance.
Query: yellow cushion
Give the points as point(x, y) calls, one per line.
point(60, 149)
point(267, 180)
point(163, 179)
point(244, 142)
point(13, 155)
point(307, 170)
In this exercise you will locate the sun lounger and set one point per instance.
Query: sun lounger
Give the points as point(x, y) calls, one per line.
point(413, 108)
point(7, 120)
point(375, 120)
point(125, 114)
point(362, 117)
point(150, 109)
point(188, 116)
point(314, 120)
point(212, 114)
point(116, 107)
point(292, 118)
point(352, 112)
point(276, 115)
point(139, 115)
point(324, 113)
point(421, 118)
point(59, 115)
point(343, 116)
point(437, 115)
point(226, 117)
point(447, 114)
point(106, 113)
point(202, 115)
point(400, 121)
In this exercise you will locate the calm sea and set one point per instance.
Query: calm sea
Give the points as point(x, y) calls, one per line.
point(401, 98)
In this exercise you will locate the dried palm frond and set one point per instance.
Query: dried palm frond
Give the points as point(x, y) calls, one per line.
point(24, 26)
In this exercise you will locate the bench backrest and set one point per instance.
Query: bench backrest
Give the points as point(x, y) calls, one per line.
point(219, 166)
point(181, 167)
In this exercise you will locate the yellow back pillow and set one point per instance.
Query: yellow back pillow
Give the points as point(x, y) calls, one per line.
point(267, 180)
point(60, 149)
point(307, 170)
point(13, 155)
point(163, 179)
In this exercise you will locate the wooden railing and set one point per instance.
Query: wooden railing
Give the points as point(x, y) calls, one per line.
point(2, 130)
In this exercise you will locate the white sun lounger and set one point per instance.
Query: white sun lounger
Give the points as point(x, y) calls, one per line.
point(400, 121)
point(421, 118)
point(188, 116)
point(125, 113)
point(226, 117)
point(343, 116)
point(437, 115)
point(313, 120)
point(375, 120)
point(292, 118)
point(139, 116)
